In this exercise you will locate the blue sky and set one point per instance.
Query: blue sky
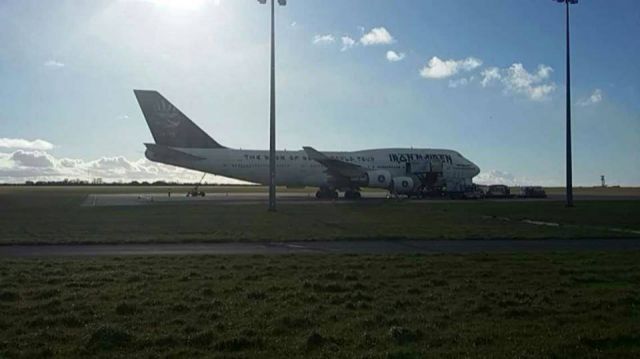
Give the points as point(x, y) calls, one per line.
point(485, 78)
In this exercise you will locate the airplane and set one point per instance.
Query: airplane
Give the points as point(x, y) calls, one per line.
point(401, 171)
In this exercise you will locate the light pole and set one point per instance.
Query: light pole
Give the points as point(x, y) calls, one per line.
point(272, 117)
point(569, 188)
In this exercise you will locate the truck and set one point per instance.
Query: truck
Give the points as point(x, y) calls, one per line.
point(498, 191)
point(532, 192)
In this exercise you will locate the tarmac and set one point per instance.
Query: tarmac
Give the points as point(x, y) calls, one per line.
point(142, 199)
point(325, 247)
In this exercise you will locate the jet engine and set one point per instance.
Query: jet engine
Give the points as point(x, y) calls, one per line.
point(378, 179)
point(402, 185)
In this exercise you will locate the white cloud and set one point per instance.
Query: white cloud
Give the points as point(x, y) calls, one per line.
point(377, 36)
point(32, 159)
point(53, 64)
point(595, 98)
point(461, 82)
point(495, 177)
point(293, 24)
point(347, 43)
point(25, 144)
point(499, 177)
point(323, 39)
point(516, 79)
point(437, 68)
point(70, 163)
point(489, 75)
point(22, 165)
point(393, 56)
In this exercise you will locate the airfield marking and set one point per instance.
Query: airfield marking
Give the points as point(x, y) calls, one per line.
point(622, 230)
point(541, 223)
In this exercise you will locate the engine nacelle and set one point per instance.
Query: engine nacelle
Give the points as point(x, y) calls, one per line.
point(402, 185)
point(378, 179)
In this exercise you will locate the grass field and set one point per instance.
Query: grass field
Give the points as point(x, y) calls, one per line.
point(54, 215)
point(498, 305)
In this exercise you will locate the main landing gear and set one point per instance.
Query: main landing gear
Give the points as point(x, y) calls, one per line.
point(326, 193)
point(350, 194)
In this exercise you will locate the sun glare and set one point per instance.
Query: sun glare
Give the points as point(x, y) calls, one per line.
point(182, 4)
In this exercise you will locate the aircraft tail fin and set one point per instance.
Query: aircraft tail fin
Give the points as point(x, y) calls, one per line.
point(169, 126)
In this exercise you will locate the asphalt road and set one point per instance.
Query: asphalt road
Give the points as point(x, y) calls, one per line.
point(325, 247)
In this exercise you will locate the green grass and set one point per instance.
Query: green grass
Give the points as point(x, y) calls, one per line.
point(54, 215)
point(497, 305)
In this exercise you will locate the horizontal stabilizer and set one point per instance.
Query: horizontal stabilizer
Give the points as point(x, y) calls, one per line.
point(156, 152)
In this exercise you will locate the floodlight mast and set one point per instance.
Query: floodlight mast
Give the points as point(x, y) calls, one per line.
point(272, 111)
point(569, 187)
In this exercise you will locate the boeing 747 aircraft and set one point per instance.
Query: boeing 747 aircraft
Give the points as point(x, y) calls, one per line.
point(180, 142)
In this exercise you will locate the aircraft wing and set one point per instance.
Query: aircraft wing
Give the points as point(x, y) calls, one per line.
point(334, 166)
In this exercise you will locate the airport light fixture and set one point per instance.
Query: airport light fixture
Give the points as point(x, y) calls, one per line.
point(569, 189)
point(272, 117)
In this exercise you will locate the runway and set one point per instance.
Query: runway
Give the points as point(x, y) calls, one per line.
point(145, 199)
point(324, 247)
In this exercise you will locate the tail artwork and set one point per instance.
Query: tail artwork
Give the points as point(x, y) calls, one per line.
point(169, 126)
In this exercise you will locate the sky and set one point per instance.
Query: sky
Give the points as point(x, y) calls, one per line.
point(485, 78)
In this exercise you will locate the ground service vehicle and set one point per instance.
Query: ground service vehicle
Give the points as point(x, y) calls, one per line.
point(498, 191)
point(532, 192)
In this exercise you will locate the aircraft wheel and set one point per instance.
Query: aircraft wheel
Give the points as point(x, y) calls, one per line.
point(352, 195)
point(325, 193)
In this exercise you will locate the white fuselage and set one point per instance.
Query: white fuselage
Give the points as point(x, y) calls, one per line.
point(295, 168)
